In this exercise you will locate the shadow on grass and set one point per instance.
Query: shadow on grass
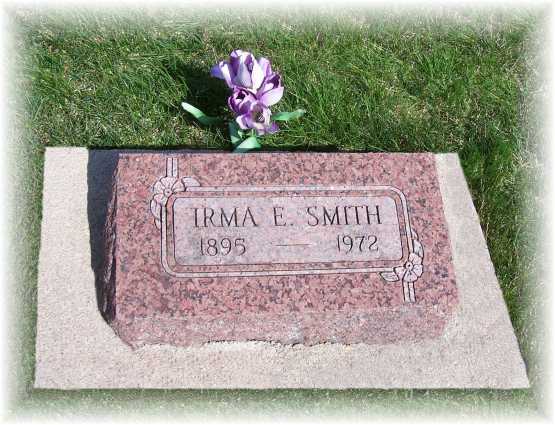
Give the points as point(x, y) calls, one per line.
point(203, 91)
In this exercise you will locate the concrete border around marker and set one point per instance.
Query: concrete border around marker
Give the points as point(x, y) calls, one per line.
point(76, 349)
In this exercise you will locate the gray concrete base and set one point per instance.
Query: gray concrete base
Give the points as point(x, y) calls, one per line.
point(75, 348)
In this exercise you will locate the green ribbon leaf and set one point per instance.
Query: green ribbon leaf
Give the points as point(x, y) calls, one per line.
point(286, 116)
point(248, 144)
point(199, 115)
point(235, 134)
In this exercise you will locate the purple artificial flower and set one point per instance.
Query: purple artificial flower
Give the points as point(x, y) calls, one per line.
point(239, 100)
point(255, 88)
point(242, 70)
point(271, 90)
point(245, 71)
point(255, 115)
point(251, 112)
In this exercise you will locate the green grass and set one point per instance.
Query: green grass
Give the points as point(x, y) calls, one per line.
point(369, 81)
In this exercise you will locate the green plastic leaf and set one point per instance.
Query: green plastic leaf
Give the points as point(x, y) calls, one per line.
point(248, 144)
point(286, 116)
point(199, 115)
point(235, 134)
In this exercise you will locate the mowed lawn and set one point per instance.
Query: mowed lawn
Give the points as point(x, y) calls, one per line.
point(369, 81)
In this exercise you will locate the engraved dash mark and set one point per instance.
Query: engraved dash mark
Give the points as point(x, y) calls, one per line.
point(294, 244)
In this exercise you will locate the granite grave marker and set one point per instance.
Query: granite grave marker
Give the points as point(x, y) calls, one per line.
point(292, 248)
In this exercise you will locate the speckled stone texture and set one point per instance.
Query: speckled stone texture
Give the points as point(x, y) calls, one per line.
point(374, 301)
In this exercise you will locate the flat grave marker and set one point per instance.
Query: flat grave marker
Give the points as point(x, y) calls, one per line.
point(290, 248)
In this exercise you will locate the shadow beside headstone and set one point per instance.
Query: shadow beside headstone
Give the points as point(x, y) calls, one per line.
point(101, 167)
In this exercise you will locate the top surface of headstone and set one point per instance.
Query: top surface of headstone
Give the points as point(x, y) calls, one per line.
point(285, 247)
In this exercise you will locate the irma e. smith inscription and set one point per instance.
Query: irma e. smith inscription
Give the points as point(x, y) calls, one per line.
point(294, 248)
point(284, 230)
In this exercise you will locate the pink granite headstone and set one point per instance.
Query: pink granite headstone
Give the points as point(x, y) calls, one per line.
point(294, 248)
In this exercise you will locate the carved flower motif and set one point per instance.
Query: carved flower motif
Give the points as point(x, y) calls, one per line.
point(412, 269)
point(165, 187)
